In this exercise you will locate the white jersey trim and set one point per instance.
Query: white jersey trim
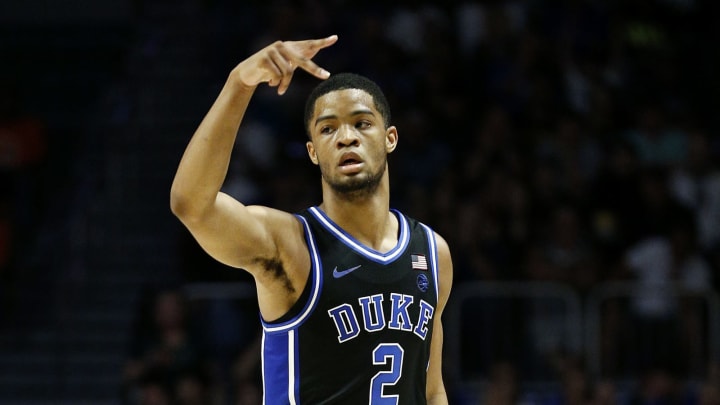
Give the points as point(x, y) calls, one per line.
point(354, 244)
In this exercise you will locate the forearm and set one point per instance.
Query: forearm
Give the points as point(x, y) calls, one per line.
point(435, 390)
point(438, 399)
point(204, 165)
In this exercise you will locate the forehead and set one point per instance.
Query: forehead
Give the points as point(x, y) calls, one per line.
point(345, 101)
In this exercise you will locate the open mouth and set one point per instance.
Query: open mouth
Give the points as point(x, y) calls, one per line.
point(349, 159)
point(350, 163)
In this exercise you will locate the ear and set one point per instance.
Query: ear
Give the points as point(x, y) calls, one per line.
point(391, 139)
point(311, 152)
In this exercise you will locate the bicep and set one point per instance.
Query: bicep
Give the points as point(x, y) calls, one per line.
point(234, 234)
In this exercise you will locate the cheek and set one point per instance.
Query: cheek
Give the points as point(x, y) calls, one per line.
point(320, 159)
point(320, 156)
point(380, 154)
point(325, 169)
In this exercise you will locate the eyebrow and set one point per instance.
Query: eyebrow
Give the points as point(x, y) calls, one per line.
point(332, 116)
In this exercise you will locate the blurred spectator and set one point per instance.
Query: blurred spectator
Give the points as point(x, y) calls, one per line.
point(656, 143)
point(577, 386)
point(569, 249)
point(151, 389)
point(659, 210)
point(420, 146)
point(194, 388)
point(709, 395)
point(248, 393)
point(695, 182)
point(232, 335)
point(164, 348)
point(658, 385)
point(576, 154)
point(247, 372)
point(708, 390)
point(615, 205)
point(503, 385)
point(540, 314)
point(605, 392)
point(667, 329)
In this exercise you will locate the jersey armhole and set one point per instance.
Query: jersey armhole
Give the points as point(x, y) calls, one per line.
point(305, 304)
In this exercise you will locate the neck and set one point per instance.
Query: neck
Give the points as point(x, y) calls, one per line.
point(367, 218)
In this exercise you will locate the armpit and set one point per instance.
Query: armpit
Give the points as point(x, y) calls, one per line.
point(274, 268)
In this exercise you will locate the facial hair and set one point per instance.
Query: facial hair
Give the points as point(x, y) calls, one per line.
point(357, 187)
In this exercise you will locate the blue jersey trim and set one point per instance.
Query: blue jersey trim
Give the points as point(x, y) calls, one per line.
point(279, 364)
point(355, 245)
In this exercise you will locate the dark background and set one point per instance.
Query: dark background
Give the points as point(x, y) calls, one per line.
point(547, 141)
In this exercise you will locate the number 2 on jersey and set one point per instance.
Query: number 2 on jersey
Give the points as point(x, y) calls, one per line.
point(384, 354)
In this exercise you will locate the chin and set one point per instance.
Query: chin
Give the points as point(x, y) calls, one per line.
point(355, 187)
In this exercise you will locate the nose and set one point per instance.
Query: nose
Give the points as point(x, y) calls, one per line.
point(347, 136)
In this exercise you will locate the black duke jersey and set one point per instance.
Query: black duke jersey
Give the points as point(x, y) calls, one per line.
point(361, 331)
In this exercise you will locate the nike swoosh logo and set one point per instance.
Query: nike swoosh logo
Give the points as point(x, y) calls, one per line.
point(341, 273)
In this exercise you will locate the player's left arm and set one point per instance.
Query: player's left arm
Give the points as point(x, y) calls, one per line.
point(435, 389)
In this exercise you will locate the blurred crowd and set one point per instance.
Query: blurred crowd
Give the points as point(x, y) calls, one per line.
point(553, 141)
point(569, 141)
point(192, 353)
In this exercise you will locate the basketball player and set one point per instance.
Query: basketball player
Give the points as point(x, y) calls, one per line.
point(350, 291)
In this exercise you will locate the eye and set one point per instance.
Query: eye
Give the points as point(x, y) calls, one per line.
point(363, 124)
point(326, 130)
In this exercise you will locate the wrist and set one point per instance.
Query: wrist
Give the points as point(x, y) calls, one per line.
point(235, 81)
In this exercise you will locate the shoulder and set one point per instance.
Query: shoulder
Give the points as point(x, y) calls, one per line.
point(285, 228)
point(277, 220)
point(445, 269)
point(442, 244)
point(444, 255)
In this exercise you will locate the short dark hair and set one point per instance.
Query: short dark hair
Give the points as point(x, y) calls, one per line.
point(342, 81)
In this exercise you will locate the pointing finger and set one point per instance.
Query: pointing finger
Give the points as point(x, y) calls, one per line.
point(306, 50)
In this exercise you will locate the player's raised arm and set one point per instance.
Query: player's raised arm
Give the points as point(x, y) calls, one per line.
point(229, 231)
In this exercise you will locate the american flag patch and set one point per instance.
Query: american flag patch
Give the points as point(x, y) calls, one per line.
point(419, 262)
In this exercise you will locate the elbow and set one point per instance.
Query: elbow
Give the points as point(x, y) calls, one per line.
point(178, 204)
point(182, 206)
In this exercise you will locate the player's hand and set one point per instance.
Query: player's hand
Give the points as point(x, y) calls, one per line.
point(276, 63)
